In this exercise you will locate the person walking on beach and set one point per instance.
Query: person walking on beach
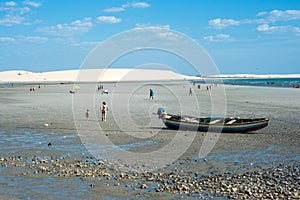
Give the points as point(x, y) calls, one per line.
point(151, 94)
point(190, 92)
point(104, 109)
point(87, 114)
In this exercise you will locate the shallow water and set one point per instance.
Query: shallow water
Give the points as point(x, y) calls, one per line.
point(28, 143)
point(17, 142)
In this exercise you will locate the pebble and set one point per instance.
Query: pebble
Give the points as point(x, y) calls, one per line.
point(144, 186)
point(277, 182)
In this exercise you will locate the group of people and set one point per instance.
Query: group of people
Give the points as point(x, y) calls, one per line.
point(32, 88)
point(102, 90)
point(208, 87)
point(103, 109)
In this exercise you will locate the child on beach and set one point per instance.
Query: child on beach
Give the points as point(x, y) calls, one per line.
point(104, 109)
point(87, 114)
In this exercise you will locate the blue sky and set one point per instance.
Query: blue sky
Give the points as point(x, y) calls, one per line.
point(260, 37)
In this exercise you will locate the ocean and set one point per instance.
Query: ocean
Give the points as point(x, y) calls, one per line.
point(266, 82)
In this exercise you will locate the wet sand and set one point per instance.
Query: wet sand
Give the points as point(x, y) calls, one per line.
point(38, 134)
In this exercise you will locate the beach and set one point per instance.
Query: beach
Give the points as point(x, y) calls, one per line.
point(44, 156)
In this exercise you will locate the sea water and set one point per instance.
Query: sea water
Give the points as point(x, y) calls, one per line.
point(267, 82)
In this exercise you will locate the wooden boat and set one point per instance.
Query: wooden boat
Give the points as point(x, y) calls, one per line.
point(214, 124)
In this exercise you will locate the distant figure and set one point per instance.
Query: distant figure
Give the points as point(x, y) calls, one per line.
point(104, 109)
point(199, 86)
point(87, 114)
point(100, 87)
point(190, 92)
point(32, 89)
point(105, 91)
point(151, 97)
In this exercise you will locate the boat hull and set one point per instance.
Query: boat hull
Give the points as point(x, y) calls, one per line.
point(225, 128)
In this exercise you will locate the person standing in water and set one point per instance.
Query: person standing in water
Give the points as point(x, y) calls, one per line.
point(104, 109)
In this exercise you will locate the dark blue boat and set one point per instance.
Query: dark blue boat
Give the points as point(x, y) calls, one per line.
point(214, 124)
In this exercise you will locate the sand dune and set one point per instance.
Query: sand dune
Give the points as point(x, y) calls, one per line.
point(114, 75)
point(89, 75)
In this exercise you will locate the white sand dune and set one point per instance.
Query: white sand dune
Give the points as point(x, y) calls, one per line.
point(89, 75)
point(114, 75)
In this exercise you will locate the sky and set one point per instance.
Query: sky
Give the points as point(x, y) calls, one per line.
point(250, 36)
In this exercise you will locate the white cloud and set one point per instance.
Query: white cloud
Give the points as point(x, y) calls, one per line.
point(261, 14)
point(15, 15)
point(138, 25)
point(169, 35)
point(74, 28)
point(114, 9)
point(218, 38)
point(278, 29)
point(263, 18)
point(108, 20)
point(285, 15)
point(10, 3)
point(222, 23)
point(264, 28)
point(160, 31)
point(136, 5)
point(10, 20)
point(34, 39)
point(127, 5)
point(223, 36)
point(33, 4)
point(15, 10)
point(24, 10)
point(7, 39)
point(83, 43)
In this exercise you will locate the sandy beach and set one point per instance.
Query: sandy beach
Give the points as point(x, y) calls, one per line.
point(43, 157)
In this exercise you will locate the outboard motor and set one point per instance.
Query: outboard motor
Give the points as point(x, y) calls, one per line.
point(161, 112)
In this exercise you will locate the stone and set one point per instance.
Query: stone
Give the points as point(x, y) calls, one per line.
point(144, 186)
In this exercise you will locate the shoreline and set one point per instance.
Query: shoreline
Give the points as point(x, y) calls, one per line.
point(165, 82)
